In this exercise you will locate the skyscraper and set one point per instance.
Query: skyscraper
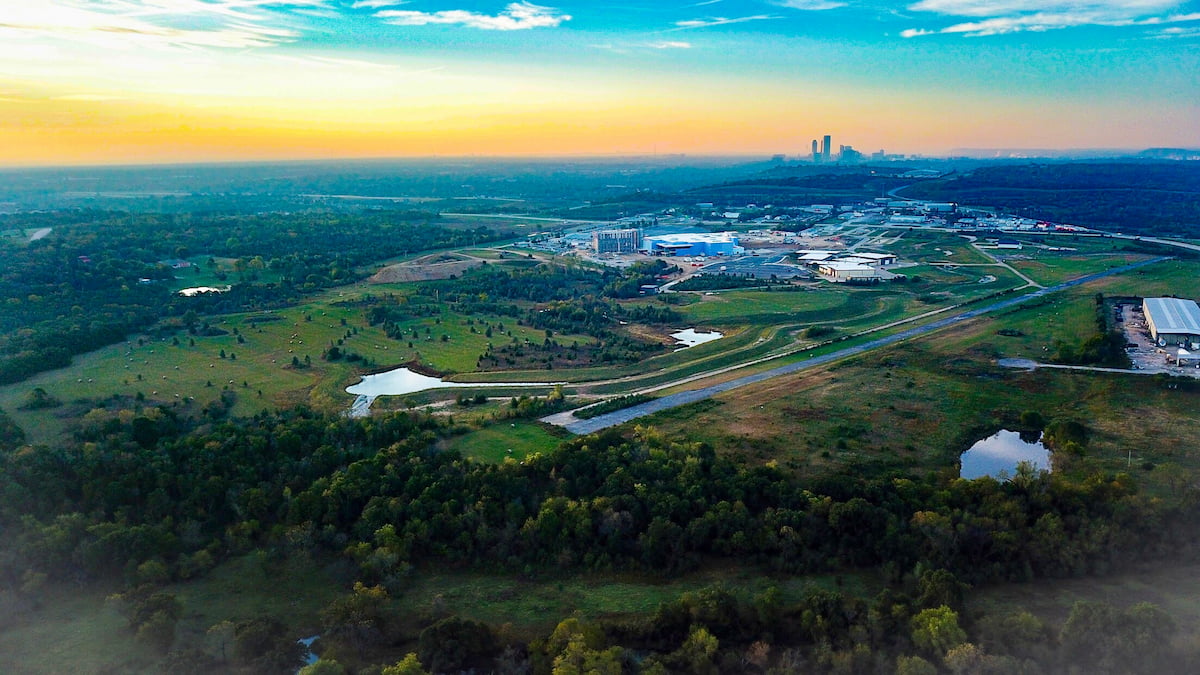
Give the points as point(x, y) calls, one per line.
point(816, 153)
point(825, 148)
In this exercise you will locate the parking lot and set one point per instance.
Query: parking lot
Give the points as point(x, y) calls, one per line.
point(761, 266)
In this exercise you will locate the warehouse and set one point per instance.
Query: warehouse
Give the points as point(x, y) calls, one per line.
point(842, 272)
point(706, 244)
point(880, 259)
point(1173, 321)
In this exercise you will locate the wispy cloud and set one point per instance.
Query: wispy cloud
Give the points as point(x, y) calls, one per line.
point(670, 44)
point(133, 24)
point(719, 21)
point(90, 98)
point(809, 5)
point(999, 17)
point(377, 4)
point(516, 16)
point(1177, 32)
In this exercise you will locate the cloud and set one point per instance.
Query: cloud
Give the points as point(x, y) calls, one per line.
point(1176, 33)
point(670, 44)
point(516, 16)
point(377, 4)
point(809, 5)
point(719, 21)
point(88, 98)
point(1000, 17)
point(153, 24)
point(992, 8)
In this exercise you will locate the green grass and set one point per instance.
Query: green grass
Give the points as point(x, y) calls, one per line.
point(493, 443)
point(79, 631)
point(179, 375)
point(72, 630)
point(1173, 588)
point(916, 406)
point(534, 607)
point(1054, 268)
point(742, 307)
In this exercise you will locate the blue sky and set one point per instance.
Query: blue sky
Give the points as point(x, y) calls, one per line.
point(448, 77)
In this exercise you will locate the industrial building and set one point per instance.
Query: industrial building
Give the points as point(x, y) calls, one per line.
point(1173, 321)
point(701, 244)
point(617, 241)
point(880, 259)
point(843, 272)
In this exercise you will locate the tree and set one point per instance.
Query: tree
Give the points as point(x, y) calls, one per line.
point(935, 631)
point(409, 665)
point(698, 652)
point(914, 665)
point(323, 667)
point(453, 643)
point(358, 617)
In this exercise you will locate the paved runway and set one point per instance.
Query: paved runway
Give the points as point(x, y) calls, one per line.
point(683, 398)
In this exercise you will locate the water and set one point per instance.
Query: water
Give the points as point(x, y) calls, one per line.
point(401, 381)
point(309, 656)
point(691, 338)
point(998, 455)
point(197, 290)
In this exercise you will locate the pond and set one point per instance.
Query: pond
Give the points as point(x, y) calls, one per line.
point(690, 337)
point(197, 290)
point(401, 381)
point(998, 455)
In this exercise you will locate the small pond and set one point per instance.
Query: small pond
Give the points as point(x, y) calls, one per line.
point(690, 337)
point(998, 455)
point(401, 381)
point(197, 290)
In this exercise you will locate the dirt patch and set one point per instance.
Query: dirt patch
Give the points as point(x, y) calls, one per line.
point(428, 268)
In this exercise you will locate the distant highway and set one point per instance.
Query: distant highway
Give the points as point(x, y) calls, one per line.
point(619, 417)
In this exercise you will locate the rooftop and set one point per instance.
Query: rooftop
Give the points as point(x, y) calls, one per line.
point(1173, 315)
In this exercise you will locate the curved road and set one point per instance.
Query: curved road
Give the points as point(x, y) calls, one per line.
point(683, 398)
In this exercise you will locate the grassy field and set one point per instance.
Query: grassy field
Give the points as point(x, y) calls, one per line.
point(1174, 588)
point(1054, 268)
point(505, 440)
point(180, 374)
point(924, 246)
point(916, 406)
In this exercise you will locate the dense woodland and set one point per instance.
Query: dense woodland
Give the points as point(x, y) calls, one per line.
point(99, 276)
point(1151, 198)
point(147, 496)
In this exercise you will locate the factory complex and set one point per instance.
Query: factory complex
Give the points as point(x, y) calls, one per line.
point(1173, 321)
point(695, 244)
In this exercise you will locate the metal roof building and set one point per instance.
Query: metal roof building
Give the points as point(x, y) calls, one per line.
point(1172, 321)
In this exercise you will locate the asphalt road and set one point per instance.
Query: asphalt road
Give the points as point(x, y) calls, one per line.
point(631, 413)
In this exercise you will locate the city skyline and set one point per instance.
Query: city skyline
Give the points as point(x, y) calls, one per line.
point(146, 81)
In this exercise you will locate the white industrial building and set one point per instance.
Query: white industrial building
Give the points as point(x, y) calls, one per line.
point(882, 259)
point(1173, 321)
point(841, 272)
point(811, 257)
point(703, 243)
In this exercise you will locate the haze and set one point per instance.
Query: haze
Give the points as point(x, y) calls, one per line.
point(144, 81)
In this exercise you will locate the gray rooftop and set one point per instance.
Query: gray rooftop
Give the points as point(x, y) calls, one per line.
point(1172, 315)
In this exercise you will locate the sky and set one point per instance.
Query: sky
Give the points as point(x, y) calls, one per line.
point(148, 81)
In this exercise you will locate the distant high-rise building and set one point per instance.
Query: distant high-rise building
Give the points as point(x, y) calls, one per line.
point(816, 151)
point(826, 147)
